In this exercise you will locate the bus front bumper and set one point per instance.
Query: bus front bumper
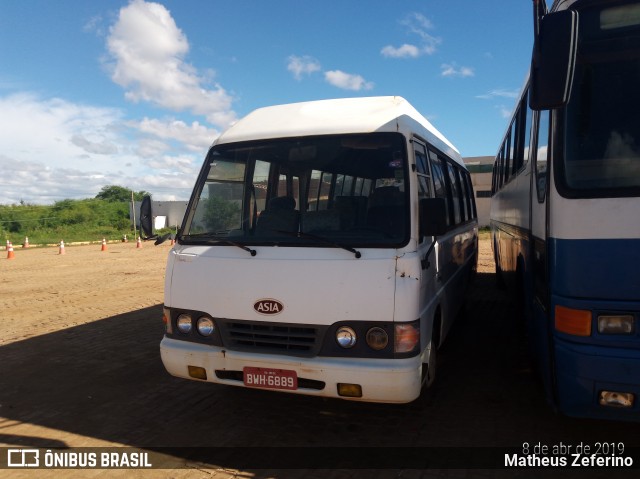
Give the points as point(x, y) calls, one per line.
point(589, 377)
point(380, 380)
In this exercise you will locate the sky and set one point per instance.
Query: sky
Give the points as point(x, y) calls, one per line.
point(133, 92)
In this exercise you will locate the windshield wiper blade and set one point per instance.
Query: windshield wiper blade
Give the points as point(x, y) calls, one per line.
point(219, 239)
point(322, 239)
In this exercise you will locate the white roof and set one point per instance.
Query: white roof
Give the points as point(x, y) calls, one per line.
point(339, 116)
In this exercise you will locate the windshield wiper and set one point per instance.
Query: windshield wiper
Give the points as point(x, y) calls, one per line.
point(218, 239)
point(301, 234)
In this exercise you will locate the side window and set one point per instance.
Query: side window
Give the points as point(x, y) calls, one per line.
point(542, 156)
point(455, 192)
point(500, 167)
point(314, 190)
point(424, 175)
point(439, 182)
point(494, 177)
point(466, 194)
point(507, 158)
point(526, 118)
point(472, 198)
point(462, 189)
point(513, 136)
point(324, 190)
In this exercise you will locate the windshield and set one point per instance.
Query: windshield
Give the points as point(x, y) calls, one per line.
point(602, 143)
point(347, 190)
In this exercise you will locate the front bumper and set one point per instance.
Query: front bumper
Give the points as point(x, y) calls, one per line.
point(382, 380)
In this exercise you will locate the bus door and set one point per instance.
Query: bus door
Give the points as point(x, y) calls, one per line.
point(539, 327)
point(425, 247)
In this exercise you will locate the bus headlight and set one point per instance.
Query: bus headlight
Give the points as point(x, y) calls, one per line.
point(184, 323)
point(377, 338)
point(205, 326)
point(616, 324)
point(346, 337)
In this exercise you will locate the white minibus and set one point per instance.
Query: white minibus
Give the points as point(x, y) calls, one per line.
point(325, 250)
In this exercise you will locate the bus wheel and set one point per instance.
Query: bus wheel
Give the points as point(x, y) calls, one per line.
point(432, 359)
point(431, 365)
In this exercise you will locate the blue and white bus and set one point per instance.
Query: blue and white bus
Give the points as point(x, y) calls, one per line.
point(325, 251)
point(565, 211)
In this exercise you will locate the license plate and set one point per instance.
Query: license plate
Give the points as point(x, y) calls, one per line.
point(270, 378)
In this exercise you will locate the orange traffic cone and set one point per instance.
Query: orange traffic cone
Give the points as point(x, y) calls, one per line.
point(61, 249)
point(10, 253)
point(104, 245)
point(139, 243)
point(26, 242)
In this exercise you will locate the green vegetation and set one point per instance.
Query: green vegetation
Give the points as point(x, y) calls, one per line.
point(105, 216)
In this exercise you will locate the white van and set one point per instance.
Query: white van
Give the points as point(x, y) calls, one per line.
point(324, 251)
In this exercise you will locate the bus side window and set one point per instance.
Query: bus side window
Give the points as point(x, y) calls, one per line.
point(439, 183)
point(468, 193)
point(542, 156)
point(326, 180)
point(455, 193)
point(500, 181)
point(462, 193)
point(528, 117)
point(422, 167)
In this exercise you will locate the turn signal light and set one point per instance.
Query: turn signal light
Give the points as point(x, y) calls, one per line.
point(349, 390)
point(407, 337)
point(197, 372)
point(616, 399)
point(573, 321)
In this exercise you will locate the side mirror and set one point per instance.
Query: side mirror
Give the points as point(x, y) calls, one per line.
point(146, 217)
point(553, 61)
point(432, 217)
point(162, 239)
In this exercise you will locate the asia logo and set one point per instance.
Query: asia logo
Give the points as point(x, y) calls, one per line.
point(268, 306)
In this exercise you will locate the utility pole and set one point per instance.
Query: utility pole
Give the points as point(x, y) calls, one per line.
point(133, 209)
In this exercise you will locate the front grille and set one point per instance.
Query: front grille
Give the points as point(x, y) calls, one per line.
point(279, 338)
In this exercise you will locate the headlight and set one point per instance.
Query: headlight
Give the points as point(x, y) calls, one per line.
point(184, 323)
point(205, 326)
point(346, 337)
point(616, 324)
point(377, 338)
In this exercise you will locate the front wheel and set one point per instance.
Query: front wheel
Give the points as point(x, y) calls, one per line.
point(431, 365)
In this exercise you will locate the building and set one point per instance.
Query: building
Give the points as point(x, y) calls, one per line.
point(481, 168)
point(166, 214)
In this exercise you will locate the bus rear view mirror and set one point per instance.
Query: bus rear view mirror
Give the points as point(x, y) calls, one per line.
point(553, 61)
point(433, 217)
point(146, 217)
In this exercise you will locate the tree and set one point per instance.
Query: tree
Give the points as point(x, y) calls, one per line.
point(120, 193)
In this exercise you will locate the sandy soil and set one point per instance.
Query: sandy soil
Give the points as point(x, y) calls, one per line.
point(43, 291)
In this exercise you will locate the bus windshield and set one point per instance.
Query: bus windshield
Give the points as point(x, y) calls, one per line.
point(336, 190)
point(602, 130)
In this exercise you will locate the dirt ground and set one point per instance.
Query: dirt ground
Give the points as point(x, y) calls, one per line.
point(44, 291)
